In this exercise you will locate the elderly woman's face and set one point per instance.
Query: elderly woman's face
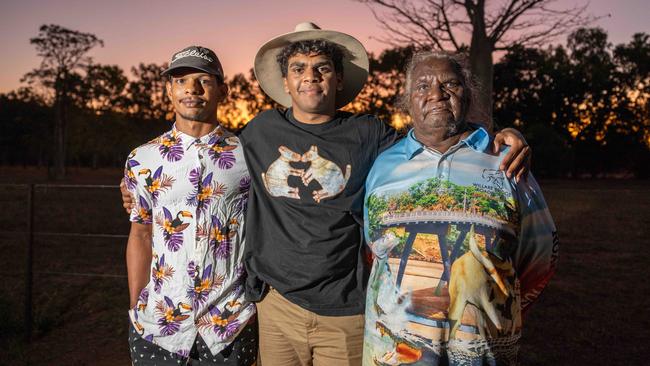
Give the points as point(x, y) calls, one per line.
point(436, 97)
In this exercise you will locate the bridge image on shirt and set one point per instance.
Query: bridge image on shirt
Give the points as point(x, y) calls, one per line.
point(438, 223)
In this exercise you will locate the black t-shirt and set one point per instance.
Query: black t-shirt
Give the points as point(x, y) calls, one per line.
point(305, 212)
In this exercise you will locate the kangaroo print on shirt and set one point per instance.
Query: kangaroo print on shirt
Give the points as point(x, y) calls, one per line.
point(276, 177)
point(326, 173)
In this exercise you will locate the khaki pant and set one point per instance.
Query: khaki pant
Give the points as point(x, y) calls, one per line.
point(291, 335)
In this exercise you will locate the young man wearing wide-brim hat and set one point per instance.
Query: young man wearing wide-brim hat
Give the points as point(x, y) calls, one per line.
point(308, 165)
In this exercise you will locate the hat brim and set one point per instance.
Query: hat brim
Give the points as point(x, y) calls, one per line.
point(355, 64)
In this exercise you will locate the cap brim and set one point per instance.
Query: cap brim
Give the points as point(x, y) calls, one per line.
point(200, 68)
point(355, 64)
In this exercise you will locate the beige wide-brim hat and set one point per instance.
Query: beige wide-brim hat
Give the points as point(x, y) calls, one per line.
point(355, 63)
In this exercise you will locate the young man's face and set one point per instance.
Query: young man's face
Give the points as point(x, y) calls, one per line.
point(195, 95)
point(312, 83)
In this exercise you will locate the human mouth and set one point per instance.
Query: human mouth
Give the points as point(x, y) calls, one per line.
point(311, 91)
point(193, 102)
point(437, 109)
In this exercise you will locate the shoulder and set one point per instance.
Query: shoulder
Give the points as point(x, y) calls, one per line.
point(266, 116)
point(369, 125)
point(261, 121)
point(149, 150)
point(392, 153)
point(386, 162)
point(362, 119)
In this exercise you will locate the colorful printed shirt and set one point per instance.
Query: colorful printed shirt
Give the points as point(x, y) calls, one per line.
point(193, 191)
point(459, 252)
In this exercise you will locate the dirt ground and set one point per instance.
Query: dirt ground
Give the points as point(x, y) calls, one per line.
point(594, 312)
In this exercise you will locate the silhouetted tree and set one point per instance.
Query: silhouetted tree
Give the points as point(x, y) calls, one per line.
point(63, 53)
point(245, 100)
point(581, 108)
point(385, 82)
point(146, 93)
point(102, 89)
point(445, 24)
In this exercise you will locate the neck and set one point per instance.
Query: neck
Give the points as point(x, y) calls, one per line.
point(195, 128)
point(313, 118)
point(440, 142)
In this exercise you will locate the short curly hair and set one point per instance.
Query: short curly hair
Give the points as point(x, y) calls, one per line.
point(311, 46)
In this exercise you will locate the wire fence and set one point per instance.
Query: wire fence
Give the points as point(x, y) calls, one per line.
point(30, 234)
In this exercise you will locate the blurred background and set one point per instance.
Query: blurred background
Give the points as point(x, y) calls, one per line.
point(80, 87)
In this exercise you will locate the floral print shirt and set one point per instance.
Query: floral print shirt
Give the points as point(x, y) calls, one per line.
point(193, 191)
point(460, 252)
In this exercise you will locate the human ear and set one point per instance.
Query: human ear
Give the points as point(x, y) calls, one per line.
point(286, 85)
point(168, 88)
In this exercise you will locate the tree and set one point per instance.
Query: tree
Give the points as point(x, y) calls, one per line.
point(102, 89)
point(146, 94)
point(446, 24)
point(385, 80)
point(245, 100)
point(583, 108)
point(64, 53)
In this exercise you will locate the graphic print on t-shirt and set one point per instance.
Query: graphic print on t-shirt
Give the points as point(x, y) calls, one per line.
point(326, 173)
point(276, 178)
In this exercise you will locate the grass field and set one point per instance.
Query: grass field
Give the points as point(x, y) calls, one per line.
point(594, 312)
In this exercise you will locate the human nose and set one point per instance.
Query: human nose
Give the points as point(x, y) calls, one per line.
point(311, 75)
point(437, 93)
point(193, 87)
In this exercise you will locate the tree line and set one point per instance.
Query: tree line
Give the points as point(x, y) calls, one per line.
point(583, 106)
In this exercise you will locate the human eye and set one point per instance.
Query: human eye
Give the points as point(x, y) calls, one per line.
point(451, 84)
point(179, 81)
point(297, 70)
point(421, 87)
point(323, 69)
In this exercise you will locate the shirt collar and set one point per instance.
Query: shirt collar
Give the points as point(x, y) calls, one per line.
point(190, 140)
point(478, 140)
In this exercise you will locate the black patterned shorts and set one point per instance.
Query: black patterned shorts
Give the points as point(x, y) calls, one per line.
point(241, 352)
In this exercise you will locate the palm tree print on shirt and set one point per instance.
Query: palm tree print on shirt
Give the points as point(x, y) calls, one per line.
point(172, 228)
point(242, 202)
point(156, 183)
point(223, 324)
point(160, 272)
point(202, 283)
point(171, 146)
point(220, 237)
point(143, 213)
point(221, 152)
point(129, 176)
point(204, 191)
point(143, 298)
point(170, 315)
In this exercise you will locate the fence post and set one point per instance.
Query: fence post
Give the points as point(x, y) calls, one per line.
point(30, 261)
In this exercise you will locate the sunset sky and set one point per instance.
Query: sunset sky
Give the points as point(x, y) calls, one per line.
point(150, 31)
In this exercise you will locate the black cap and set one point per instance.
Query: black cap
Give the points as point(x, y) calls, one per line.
point(196, 57)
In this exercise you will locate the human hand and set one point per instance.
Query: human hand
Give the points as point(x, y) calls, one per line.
point(128, 202)
point(517, 161)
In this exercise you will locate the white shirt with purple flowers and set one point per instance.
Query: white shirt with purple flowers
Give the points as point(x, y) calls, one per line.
point(193, 191)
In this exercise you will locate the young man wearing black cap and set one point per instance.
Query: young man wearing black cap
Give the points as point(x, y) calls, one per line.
point(308, 165)
point(185, 249)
